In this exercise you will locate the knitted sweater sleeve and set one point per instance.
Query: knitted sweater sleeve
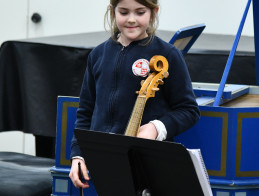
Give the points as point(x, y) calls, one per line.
point(86, 106)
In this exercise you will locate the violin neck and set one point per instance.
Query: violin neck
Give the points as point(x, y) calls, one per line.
point(136, 117)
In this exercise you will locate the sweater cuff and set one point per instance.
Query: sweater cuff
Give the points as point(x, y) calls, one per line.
point(161, 130)
point(78, 157)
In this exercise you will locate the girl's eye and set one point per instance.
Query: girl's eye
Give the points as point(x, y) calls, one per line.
point(140, 13)
point(123, 13)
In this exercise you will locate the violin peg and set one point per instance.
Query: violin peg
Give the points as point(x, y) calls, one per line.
point(166, 74)
point(161, 82)
point(142, 82)
point(155, 89)
point(137, 92)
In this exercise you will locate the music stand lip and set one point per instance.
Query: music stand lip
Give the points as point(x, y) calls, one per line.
point(124, 165)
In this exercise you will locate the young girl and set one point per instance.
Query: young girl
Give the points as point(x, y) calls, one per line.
point(114, 72)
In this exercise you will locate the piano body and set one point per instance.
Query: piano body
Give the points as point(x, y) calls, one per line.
point(228, 132)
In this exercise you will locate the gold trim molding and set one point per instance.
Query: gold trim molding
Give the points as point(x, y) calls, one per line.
point(65, 106)
point(240, 118)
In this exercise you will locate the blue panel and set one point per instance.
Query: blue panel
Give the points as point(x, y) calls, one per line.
point(192, 31)
point(71, 113)
point(72, 190)
point(241, 191)
point(68, 186)
point(58, 136)
point(206, 135)
point(250, 140)
point(202, 92)
point(230, 91)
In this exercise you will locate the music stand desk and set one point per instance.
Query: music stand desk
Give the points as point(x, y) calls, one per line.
point(122, 165)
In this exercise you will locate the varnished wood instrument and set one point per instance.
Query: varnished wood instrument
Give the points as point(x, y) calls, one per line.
point(159, 66)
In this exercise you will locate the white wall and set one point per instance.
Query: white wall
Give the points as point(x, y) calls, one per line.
point(67, 17)
point(220, 16)
point(13, 19)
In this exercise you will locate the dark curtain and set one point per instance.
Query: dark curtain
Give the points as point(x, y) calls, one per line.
point(208, 67)
point(32, 75)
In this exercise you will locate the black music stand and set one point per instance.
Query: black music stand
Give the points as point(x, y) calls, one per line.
point(126, 166)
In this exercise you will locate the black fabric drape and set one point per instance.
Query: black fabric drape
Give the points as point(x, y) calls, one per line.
point(25, 175)
point(32, 75)
point(209, 66)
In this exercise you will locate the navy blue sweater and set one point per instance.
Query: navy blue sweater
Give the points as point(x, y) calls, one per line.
point(109, 88)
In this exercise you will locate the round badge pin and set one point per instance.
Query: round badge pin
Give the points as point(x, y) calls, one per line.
point(141, 67)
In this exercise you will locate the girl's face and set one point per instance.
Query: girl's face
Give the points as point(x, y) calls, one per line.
point(132, 19)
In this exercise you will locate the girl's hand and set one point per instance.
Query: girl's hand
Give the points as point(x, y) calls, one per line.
point(74, 176)
point(147, 131)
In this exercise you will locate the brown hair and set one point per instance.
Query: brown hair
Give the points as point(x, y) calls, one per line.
point(110, 17)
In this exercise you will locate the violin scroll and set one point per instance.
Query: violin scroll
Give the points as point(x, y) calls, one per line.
point(159, 66)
